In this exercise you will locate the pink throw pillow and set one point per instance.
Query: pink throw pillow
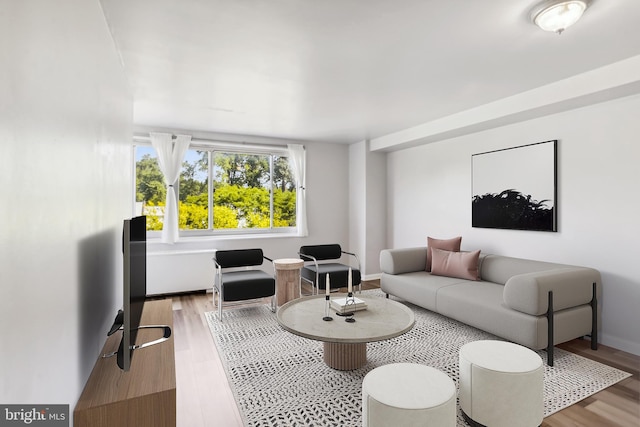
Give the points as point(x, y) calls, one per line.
point(463, 265)
point(447, 245)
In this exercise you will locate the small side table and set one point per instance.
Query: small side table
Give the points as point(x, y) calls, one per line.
point(287, 279)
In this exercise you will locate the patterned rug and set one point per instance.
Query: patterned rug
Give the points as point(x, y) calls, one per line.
point(280, 379)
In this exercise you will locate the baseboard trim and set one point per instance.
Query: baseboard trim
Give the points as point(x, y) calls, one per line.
point(372, 276)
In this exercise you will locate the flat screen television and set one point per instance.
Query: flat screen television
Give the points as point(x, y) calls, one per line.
point(134, 290)
point(135, 285)
point(134, 293)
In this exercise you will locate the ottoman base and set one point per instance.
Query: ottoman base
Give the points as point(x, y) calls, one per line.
point(471, 422)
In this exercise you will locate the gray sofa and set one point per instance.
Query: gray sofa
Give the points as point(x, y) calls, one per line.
point(533, 303)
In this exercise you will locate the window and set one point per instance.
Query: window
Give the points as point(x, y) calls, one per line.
point(219, 191)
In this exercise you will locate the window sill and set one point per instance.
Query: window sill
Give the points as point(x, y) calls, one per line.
point(203, 244)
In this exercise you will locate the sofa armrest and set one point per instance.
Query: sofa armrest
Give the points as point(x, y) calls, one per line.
point(571, 287)
point(404, 260)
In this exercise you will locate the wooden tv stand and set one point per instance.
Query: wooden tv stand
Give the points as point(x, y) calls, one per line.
point(143, 396)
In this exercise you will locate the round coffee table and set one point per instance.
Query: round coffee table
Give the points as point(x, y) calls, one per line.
point(345, 344)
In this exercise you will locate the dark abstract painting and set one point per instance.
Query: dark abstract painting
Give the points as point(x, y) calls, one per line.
point(515, 188)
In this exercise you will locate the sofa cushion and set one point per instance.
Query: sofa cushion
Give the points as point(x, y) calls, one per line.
point(418, 287)
point(455, 264)
point(499, 269)
point(444, 244)
point(479, 304)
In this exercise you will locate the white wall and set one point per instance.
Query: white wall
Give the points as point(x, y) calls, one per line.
point(429, 194)
point(186, 265)
point(357, 202)
point(376, 208)
point(65, 129)
point(367, 206)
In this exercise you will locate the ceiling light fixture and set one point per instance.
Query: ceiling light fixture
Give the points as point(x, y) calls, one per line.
point(558, 15)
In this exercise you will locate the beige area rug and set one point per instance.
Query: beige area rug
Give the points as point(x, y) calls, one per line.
point(280, 379)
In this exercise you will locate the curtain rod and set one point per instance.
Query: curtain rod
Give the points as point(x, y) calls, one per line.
point(223, 143)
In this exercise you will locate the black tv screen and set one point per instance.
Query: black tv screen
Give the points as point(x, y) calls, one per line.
point(134, 248)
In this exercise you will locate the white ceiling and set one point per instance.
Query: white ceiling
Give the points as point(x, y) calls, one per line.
point(347, 70)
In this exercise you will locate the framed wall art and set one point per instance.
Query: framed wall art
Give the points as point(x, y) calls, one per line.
point(516, 188)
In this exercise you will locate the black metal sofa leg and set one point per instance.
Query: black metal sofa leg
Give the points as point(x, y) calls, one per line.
point(594, 319)
point(550, 330)
point(594, 324)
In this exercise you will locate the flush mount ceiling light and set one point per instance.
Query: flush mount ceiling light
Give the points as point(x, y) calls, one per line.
point(558, 15)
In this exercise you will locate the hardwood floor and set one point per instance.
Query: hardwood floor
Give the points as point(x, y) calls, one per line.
point(204, 397)
point(616, 406)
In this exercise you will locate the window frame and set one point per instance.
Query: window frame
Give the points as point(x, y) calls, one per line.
point(212, 148)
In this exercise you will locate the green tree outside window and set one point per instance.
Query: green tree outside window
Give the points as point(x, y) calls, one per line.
point(245, 187)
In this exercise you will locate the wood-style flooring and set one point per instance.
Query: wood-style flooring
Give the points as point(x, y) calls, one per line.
point(204, 397)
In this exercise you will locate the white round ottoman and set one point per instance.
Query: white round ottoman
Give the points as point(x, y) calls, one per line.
point(408, 394)
point(501, 384)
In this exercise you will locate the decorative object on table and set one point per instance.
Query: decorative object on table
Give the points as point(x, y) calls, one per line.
point(339, 305)
point(515, 188)
point(350, 309)
point(327, 298)
point(350, 304)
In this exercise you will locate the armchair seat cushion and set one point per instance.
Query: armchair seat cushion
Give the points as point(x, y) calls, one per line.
point(339, 274)
point(249, 284)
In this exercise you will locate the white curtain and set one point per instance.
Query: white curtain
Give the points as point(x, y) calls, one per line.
point(170, 156)
point(298, 165)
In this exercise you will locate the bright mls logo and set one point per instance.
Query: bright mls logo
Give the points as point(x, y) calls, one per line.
point(37, 415)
